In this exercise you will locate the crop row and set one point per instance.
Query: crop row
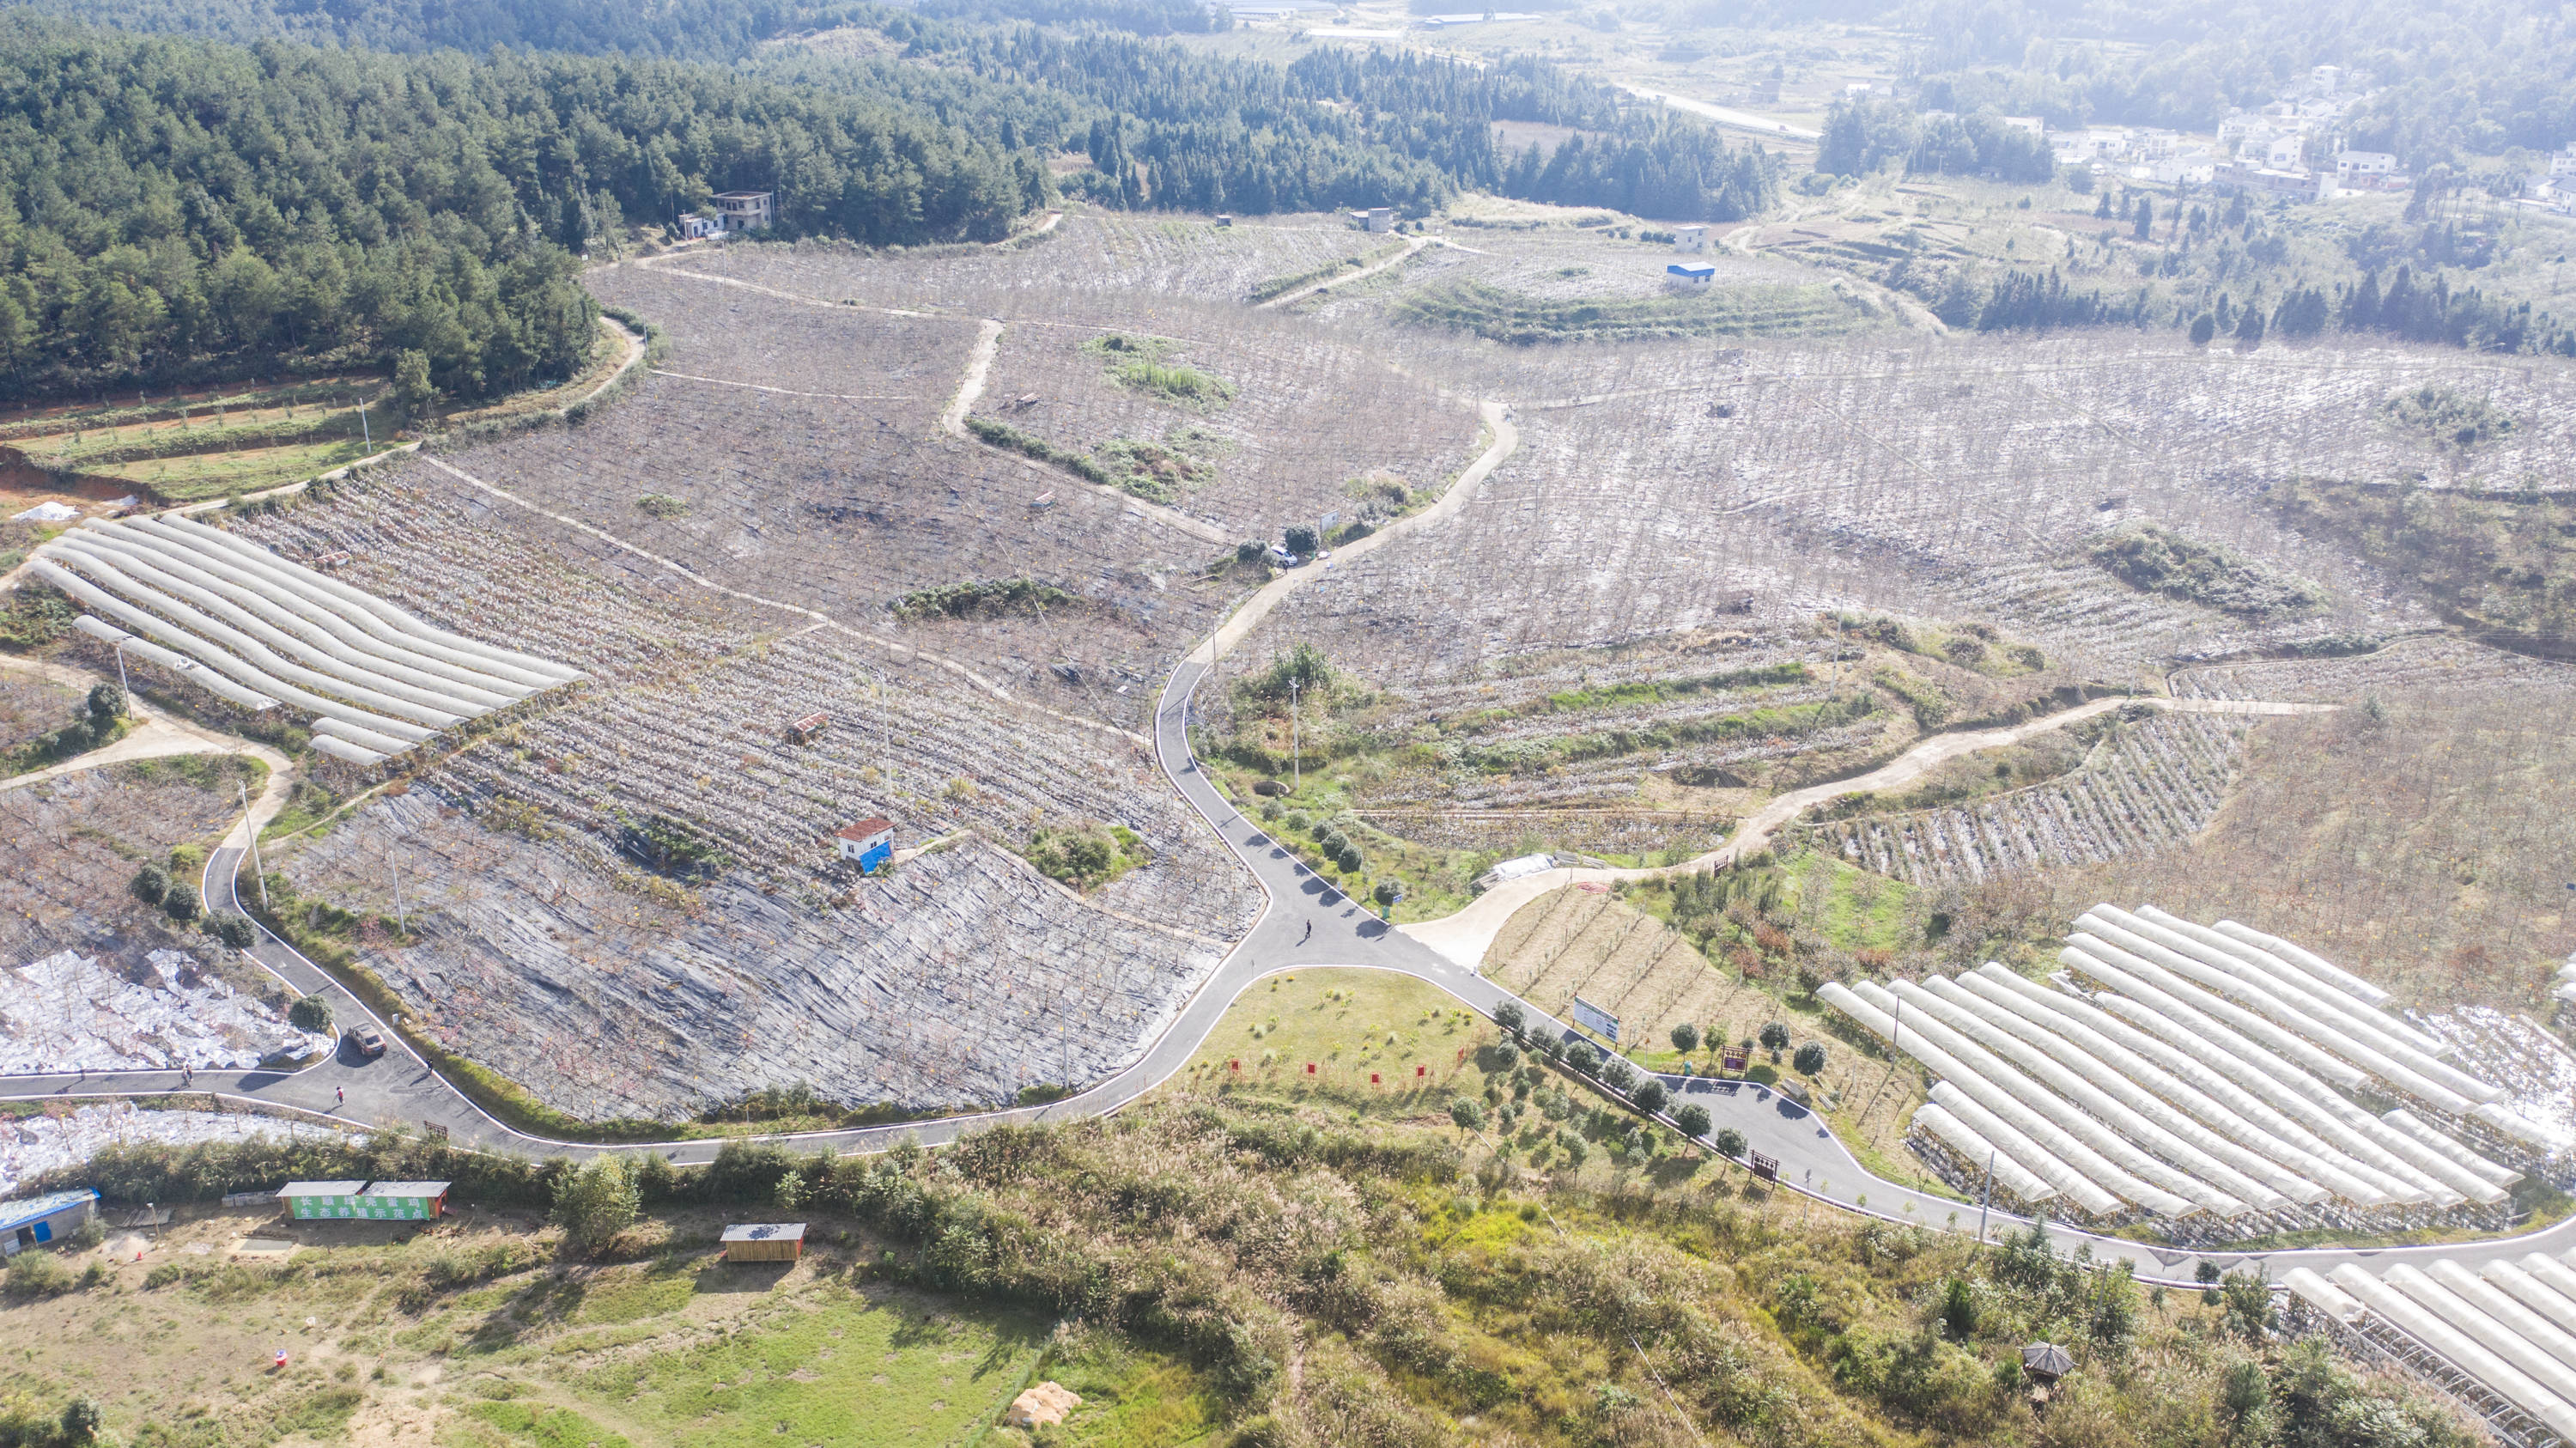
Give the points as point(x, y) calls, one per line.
point(2154, 784)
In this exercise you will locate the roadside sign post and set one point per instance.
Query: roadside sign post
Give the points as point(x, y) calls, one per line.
point(250, 827)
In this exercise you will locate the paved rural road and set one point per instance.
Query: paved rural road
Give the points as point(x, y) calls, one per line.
point(1309, 924)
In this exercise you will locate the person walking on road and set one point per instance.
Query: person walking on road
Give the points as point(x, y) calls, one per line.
point(340, 1094)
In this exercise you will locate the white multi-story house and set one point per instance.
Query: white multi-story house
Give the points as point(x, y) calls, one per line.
point(2272, 181)
point(2364, 170)
point(2564, 163)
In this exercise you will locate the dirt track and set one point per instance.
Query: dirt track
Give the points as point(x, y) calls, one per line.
point(1465, 936)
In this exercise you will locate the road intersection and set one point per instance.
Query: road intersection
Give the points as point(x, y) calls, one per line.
point(1309, 924)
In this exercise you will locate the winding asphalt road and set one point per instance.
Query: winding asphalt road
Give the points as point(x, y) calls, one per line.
point(1309, 924)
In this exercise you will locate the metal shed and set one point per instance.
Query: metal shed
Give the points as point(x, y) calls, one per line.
point(403, 1201)
point(764, 1241)
point(307, 1201)
point(41, 1220)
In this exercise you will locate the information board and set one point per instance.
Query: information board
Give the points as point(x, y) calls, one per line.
point(1593, 1018)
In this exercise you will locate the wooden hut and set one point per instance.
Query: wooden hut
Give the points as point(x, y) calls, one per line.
point(764, 1241)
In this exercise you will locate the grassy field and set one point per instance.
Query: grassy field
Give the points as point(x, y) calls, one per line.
point(212, 442)
point(1349, 1024)
point(473, 1331)
point(247, 437)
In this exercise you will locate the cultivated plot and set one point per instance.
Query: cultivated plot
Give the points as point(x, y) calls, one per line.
point(2198, 1074)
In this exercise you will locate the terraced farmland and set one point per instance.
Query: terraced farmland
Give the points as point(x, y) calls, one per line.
point(2153, 784)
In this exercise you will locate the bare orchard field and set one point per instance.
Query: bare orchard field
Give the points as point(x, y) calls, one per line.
point(1137, 256)
point(611, 991)
point(1312, 425)
point(2431, 662)
point(1560, 280)
point(31, 704)
point(647, 861)
point(848, 507)
point(74, 844)
point(2421, 842)
point(2150, 784)
point(1767, 482)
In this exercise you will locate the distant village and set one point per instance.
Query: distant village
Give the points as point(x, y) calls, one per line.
point(2291, 149)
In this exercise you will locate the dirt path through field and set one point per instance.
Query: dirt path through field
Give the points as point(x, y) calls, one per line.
point(155, 736)
point(988, 344)
point(1465, 936)
point(1498, 419)
point(1411, 250)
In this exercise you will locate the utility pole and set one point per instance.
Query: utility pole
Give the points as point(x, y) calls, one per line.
point(122, 686)
point(885, 734)
point(1296, 750)
point(394, 868)
point(250, 827)
point(1988, 1203)
point(367, 426)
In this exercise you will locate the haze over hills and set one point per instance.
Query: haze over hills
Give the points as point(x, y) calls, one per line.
point(1115, 722)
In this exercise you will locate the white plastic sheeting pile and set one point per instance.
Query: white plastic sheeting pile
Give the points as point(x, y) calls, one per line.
point(260, 631)
point(67, 1012)
point(2199, 1078)
point(31, 1146)
point(2509, 1324)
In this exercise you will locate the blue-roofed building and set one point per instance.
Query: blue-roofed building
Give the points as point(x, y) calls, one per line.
point(870, 842)
point(1690, 276)
point(40, 1221)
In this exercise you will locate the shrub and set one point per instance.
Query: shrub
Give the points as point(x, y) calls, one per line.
point(1685, 1037)
point(236, 931)
point(596, 1202)
point(1581, 1056)
point(1959, 1309)
point(1468, 1115)
point(150, 884)
point(38, 1274)
point(1730, 1143)
point(662, 505)
point(180, 902)
point(1649, 1095)
point(1775, 1036)
point(1616, 1074)
point(311, 1014)
point(1692, 1119)
point(1509, 1016)
point(1810, 1059)
point(1387, 893)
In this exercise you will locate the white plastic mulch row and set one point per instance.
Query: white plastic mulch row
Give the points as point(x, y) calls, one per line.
point(32, 1146)
point(68, 1012)
point(2201, 1077)
point(259, 630)
point(2510, 1325)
